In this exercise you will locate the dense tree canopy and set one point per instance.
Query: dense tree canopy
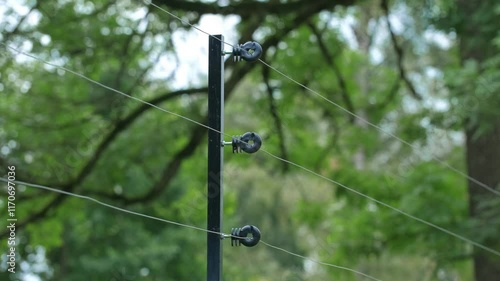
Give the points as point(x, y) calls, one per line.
point(384, 99)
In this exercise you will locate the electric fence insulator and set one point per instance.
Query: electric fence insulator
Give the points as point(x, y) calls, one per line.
point(249, 142)
point(239, 236)
point(250, 51)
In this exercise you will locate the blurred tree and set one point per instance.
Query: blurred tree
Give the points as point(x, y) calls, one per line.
point(477, 29)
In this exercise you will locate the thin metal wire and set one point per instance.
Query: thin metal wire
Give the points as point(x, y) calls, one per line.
point(106, 87)
point(185, 22)
point(113, 207)
point(272, 155)
point(413, 147)
point(465, 239)
point(178, 223)
point(319, 262)
point(497, 192)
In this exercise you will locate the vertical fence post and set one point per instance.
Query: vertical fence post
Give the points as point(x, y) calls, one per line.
point(215, 155)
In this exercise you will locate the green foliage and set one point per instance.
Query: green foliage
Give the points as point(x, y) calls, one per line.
point(475, 100)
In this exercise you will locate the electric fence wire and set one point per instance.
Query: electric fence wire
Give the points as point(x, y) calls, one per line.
point(465, 239)
point(109, 205)
point(315, 261)
point(84, 197)
point(316, 93)
point(412, 146)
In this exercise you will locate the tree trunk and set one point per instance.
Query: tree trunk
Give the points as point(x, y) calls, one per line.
point(482, 150)
point(483, 163)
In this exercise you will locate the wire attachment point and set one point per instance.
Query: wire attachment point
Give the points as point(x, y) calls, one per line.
point(250, 143)
point(239, 236)
point(250, 51)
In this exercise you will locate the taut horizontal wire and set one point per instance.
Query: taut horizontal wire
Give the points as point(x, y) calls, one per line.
point(413, 147)
point(465, 239)
point(178, 223)
point(288, 77)
point(111, 206)
point(185, 22)
point(106, 87)
point(319, 262)
point(272, 155)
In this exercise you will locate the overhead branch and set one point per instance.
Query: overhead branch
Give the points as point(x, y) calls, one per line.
point(168, 174)
point(21, 21)
point(338, 74)
point(125, 123)
point(273, 109)
point(399, 53)
point(248, 8)
point(126, 50)
point(390, 97)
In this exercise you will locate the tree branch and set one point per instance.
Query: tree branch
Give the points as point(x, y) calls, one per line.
point(169, 171)
point(338, 74)
point(21, 21)
point(399, 53)
point(273, 108)
point(89, 166)
point(249, 8)
point(389, 98)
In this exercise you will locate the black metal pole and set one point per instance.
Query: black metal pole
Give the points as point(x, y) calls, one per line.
point(215, 155)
